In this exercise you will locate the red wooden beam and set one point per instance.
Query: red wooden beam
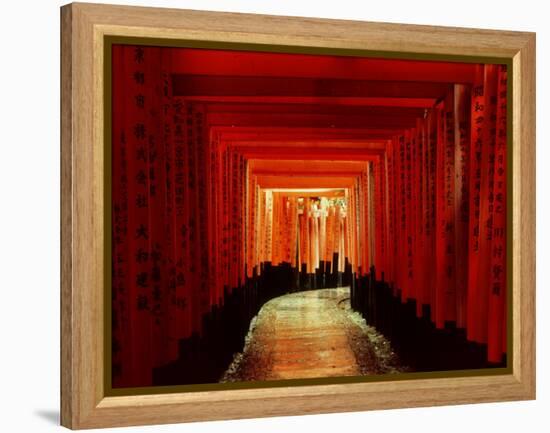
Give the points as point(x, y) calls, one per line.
point(305, 182)
point(337, 110)
point(284, 85)
point(311, 192)
point(255, 134)
point(246, 63)
point(310, 120)
point(306, 173)
point(376, 145)
point(309, 165)
point(320, 100)
point(277, 131)
point(291, 153)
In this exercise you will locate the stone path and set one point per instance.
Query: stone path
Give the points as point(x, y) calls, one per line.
point(310, 334)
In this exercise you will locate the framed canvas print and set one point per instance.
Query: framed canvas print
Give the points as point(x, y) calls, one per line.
point(266, 215)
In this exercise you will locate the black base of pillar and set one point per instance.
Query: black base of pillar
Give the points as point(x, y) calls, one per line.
point(418, 343)
point(204, 358)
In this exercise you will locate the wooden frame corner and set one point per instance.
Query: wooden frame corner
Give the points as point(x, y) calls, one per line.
point(83, 29)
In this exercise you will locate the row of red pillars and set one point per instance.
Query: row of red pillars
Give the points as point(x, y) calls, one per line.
point(191, 219)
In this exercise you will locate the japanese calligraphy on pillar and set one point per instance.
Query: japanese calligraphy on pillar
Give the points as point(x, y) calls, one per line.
point(497, 296)
point(449, 210)
point(461, 202)
point(121, 349)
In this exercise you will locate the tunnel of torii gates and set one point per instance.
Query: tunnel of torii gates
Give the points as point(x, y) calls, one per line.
point(241, 176)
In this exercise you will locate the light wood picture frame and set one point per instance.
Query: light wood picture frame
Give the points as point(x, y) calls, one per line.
point(84, 28)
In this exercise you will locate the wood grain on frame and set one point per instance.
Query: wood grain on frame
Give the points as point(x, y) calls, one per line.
point(83, 27)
